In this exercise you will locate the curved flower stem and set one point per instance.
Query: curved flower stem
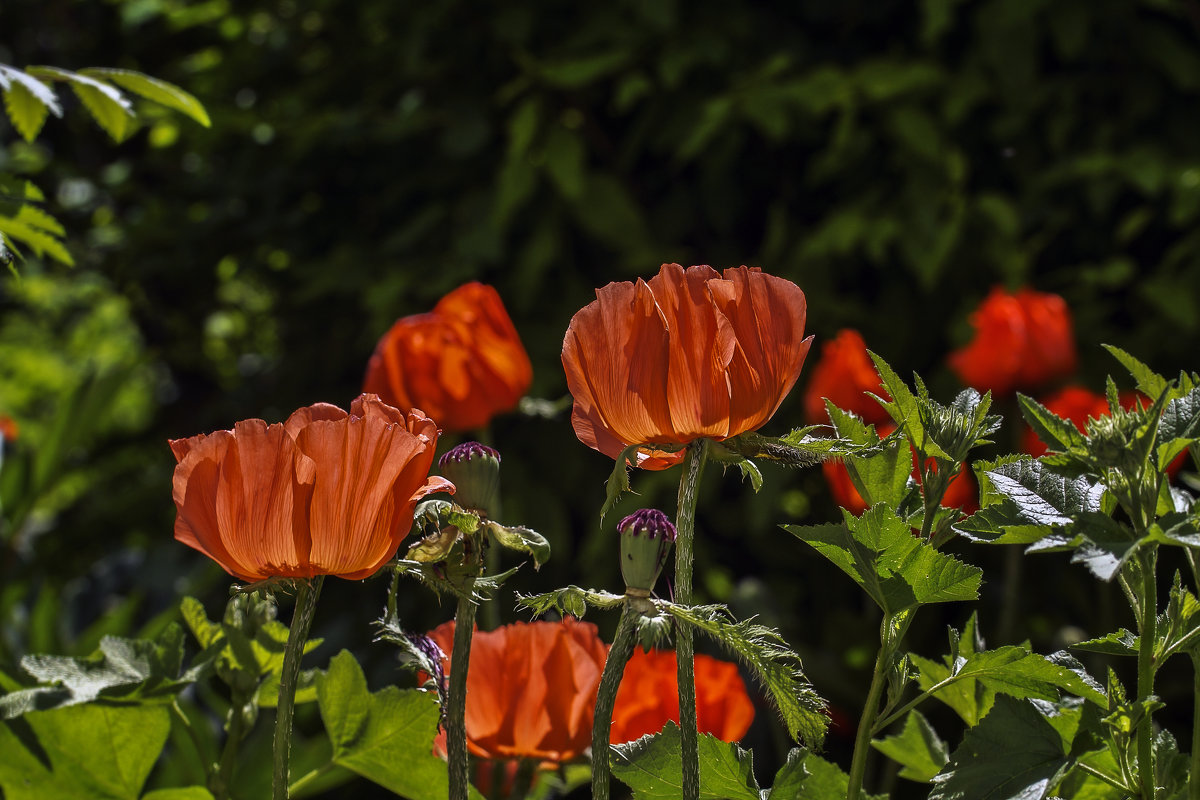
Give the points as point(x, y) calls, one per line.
point(606, 698)
point(456, 699)
point(685, 524)
point(306, 605)
point(1145, 684)
point(862, 739)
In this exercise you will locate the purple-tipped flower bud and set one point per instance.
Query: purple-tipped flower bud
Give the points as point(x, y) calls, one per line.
point(646, 539)
point(474, 469)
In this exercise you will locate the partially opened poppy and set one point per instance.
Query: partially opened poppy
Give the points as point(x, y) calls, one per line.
point(461, 363)
point(689, 354)
point(1022, 341)
point(648, 697)
point(531, 688)
point(844, 375)
point(962, 493)
point(324, 493)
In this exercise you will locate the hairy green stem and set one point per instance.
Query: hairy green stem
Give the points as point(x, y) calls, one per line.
point(685, 524)
point(456, 700)
point(306, 606)
point(606, 698)
point(862, 739)
point(1146, 667)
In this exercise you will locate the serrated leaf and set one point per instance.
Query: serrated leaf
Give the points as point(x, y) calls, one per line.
point(519, 538)
point(905, 409)
point(1102, 544)
point(650, 766)
point(896, 569)
point(27, 112)
point(155, 89)
point(36, 239)
point(95, 751)
point(111, 109)
point(881, 474)
point(179, 793)
point(1179, 427)
point(618, 481)
point(1118, 643)
point(770, 661)
point(917, 748)
point(385, 736)
point(1014, 753)
point(1056, 433)
point(1149, 382)
point(11, 76)
point(1044, 497)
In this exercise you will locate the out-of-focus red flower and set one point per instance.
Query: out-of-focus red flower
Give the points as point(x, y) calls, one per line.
point(1078, 405)
point(531, 688)
point(649, 697)
point(1022, 341)
point(461, 363)
point(8, 428)
point(962, 493)
point(844, 375)
point(325, 493)
point(688, 354)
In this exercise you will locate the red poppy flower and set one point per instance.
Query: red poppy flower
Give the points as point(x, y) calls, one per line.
point(962, 492)
point(325, 493)
point(8, 428)
point(689, 354)
point(461, 364)
point(844, 375)
point(1022, 341)
point(531, 688)
point(649, 697)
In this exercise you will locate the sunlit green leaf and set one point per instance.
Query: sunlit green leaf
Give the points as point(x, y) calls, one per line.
point(651, 767)
point(155, 89)
point(917, 748)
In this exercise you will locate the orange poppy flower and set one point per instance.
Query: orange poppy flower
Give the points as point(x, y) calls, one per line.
point(325, 493)
point(686, 355)
point(844, 375)
point(461, 363)
point(962, 492)
point(8, 428)
point(1022, 341)
point(531, 688)
point(649, 697)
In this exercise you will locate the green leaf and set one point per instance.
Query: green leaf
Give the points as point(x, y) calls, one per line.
point(385, 736)
point(917, 748)
point(95, 751)
point(881, 476)
point(1149, 382)
point(1119, 643)
point(121, 668)
point(896, 569)
point(1044, 497)
point(770, 661)
point(111, 110)
point(1102, 544)
point(179, 793)
point(904, 408)
point(154, 89)
point(1056, 433)
point(651, 767)
point(1016, 752)
point(571, 600)
point(35, 238)
point(618, 482)
point(523, 539)
point(1179, 427)
point(27, 112)
point(577, 72)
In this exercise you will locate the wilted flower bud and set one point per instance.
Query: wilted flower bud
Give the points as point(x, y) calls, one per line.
point(646, 538)
point(474, 469)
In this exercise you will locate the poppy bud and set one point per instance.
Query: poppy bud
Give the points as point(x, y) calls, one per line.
point(474, 469)
point(646, 538)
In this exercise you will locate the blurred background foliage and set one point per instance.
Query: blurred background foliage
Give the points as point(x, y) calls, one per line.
point(894, 159)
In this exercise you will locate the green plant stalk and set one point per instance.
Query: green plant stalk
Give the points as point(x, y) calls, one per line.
point(685, 651)
point(606, 698)
point(311, 776)
point(306, 606)
point(1194, 782)
point(220, 783)
point(862, 739)
point(1146, 666)
point(456, 699)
